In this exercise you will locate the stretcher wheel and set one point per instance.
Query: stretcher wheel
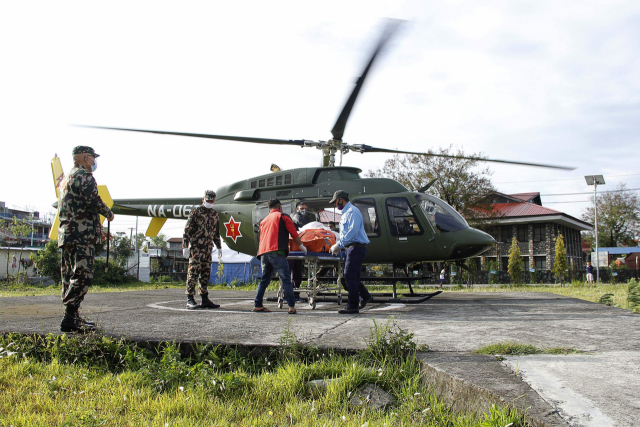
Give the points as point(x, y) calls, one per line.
point(279, 302)
point(312, 303)
point(340, 300)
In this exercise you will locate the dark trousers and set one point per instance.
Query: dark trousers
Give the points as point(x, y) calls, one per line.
point(271, 262)
point(295, 266)
point(352, 268)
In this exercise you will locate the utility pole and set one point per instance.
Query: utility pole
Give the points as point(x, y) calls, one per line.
point(130, 242)
point(137, 251)
point(595, 180)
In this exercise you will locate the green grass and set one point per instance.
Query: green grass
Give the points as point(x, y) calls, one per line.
point(93, 380)
point(512, 348)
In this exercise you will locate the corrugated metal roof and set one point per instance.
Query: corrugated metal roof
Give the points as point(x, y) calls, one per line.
point(522, 209)
point(524, 196)
point(326, 216)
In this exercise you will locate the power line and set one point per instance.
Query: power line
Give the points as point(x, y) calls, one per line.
point(589, 192)
point(564, 179)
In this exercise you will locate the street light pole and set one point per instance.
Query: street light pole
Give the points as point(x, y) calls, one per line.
point(595, 180)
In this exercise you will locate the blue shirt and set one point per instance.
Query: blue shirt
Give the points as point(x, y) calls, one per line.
point(589, 269)
point(351, 227)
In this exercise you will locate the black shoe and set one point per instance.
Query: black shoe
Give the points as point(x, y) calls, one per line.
point(349, 311)
point(191, 303)
point(363, 303)
point(206, 302)
point(72, 324)
point(82, 321)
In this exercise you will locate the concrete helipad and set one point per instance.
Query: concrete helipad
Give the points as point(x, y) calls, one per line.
point(598, 388)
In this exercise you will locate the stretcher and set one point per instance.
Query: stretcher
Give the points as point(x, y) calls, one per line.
point(330, 289)
point(313, 261)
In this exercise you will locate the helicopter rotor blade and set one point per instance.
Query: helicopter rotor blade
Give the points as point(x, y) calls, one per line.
point(341, 123)
point(297, 142)
point(369, 149)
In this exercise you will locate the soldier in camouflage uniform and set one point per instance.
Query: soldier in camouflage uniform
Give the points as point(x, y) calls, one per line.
point(200, 233)
point(79, 210)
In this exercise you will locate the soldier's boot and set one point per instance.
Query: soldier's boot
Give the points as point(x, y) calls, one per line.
point(206, 302)
point(73, 323)
point(84, 322)
point(191, 303)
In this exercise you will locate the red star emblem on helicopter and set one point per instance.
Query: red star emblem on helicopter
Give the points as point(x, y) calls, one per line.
point(233, 229)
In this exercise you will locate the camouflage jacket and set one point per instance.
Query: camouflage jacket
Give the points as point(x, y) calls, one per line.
point(79, 210)
point(202, 230)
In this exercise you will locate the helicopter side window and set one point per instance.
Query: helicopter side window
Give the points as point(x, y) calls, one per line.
point(270, 182)
point(443, 218)
point(402, 219)
point(261, 183)
point(367, 208)
point(287, 179)
point(279, 180)
point(254, 184)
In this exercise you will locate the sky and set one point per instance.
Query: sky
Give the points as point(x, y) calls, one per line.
point(539, 81)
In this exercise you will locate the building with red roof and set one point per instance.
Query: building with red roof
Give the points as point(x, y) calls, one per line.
point(534, 226)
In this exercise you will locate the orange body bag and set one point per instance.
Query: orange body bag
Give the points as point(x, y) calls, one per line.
point(315, 240)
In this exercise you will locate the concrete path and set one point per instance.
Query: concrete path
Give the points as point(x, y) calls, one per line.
point(598, 388)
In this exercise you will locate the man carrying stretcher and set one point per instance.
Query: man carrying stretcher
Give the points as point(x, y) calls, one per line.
point(273, 251)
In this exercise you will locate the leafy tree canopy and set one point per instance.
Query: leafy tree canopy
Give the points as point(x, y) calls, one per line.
point(461, 183)
point(618, 217)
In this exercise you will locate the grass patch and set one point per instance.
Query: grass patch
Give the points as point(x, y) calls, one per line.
point(94, 380)
point(512, 348)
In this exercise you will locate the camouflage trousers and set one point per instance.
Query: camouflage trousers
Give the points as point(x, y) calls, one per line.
point(77, 272)
point(198, 273)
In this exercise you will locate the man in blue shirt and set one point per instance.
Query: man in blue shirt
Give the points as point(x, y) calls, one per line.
point(354, 239)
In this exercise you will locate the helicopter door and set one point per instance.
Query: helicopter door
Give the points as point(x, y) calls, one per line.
point(407, 236)
point(371, 222)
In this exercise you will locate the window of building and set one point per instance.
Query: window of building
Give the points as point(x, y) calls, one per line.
point(525, 263)
point(287, 179)
point(261, 183)
point(402, 219)
point(254, 184)
point(505, 263)
point(507, 233)
point(539, 233)
point(541, 262)
point(367, 208)
point(523, 233)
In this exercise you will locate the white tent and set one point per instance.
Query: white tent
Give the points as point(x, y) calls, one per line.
point(237, 266)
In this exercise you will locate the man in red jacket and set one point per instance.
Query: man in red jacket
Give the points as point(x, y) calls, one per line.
point(273, 251)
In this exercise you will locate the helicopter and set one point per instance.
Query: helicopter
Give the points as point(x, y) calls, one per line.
point(403, 226)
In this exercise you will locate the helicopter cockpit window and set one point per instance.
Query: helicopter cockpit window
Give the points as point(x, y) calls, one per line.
point(402, 220)
point(367, 208)
point(442, 217)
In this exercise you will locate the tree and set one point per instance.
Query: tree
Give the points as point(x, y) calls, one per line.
point(160, 241)
point(515, 266)
point(139, 240)
point(19, 229)
point(47, 260)
point(560, 263)
point(618, 217)
point(121, 248)
point(460, 182)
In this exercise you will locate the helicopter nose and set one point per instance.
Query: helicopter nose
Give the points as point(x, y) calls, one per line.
point(469, 242)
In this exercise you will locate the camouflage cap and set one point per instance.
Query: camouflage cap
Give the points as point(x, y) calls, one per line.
point(81, 149)
point(209, 195)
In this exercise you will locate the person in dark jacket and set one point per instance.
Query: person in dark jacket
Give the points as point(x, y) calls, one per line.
point(272, 252)
point(301, 218)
